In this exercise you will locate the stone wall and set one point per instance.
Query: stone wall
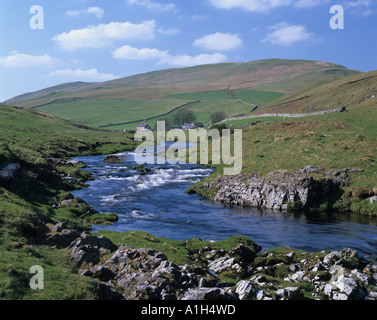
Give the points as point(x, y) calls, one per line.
point(285, 115)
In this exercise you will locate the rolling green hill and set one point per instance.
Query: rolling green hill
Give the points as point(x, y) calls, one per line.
point(349, 92)
point(120, 103)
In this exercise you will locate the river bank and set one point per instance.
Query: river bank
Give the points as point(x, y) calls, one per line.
point(193, 269)
point(233, 269)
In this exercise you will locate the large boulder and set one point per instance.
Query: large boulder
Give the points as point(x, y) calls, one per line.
point(244, 289)
point(373, 200)
point(209, 294)
point(112, 159)
point(63, 238)
point(279, 189)
point(86, 250)
point(236, 260)
point(8, 174)
point(289, 293)
point(146, 274)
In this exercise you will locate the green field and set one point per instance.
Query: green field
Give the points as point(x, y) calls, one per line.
point(102, 112)
point(127, 114)
point(202, 111)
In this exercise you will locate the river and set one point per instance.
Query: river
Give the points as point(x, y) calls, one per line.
point(157, 203)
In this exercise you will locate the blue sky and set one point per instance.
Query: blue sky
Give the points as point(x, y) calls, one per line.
point(98, 40)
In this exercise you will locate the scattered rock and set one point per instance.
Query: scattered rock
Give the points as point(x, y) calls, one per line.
point(58, 227)
point(65, 203)
point(9, 173)
point(223, 264)
point(112, 159)
point(310, 169)
point(373, 200)
point(208, 294)
point(62, 238)
point(244, 288)
point(146, 274)
point(331, 256)
point(289, 293)
point(87, 249)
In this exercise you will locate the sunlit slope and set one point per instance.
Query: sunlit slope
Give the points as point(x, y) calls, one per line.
point(274, 75)
point(349, 92)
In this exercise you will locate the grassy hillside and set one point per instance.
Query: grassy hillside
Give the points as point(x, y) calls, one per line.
point(104, 112)
point(350, 92)
point(333, 141)
point(250, 96)
point(274, 75)
point(134, 98)
point(29, 138)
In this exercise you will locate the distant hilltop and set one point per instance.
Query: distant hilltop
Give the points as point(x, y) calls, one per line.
point(276, 75)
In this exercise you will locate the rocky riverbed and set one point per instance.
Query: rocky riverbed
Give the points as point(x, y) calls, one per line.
point(242, 272)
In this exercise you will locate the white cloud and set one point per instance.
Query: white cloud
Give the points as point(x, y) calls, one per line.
point(363, 7)
point(130, 53)
point(164, 57)
point(16, 59)
point(98, 12)
point(286, 34)
point(103, 35)
point(309, 3)
point(91, 74)
point(169, 32)
point(72, 13)
point(199, 17)
point(153, 6)
point(219, 41)
point(250, 5)
point(367, 12)
point(266, 5)
point(358, 3)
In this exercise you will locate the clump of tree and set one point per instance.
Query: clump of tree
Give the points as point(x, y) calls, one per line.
point(183, 116)
point(218, 116)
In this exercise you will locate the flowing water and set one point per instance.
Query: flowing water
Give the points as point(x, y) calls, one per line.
point(157, 203)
